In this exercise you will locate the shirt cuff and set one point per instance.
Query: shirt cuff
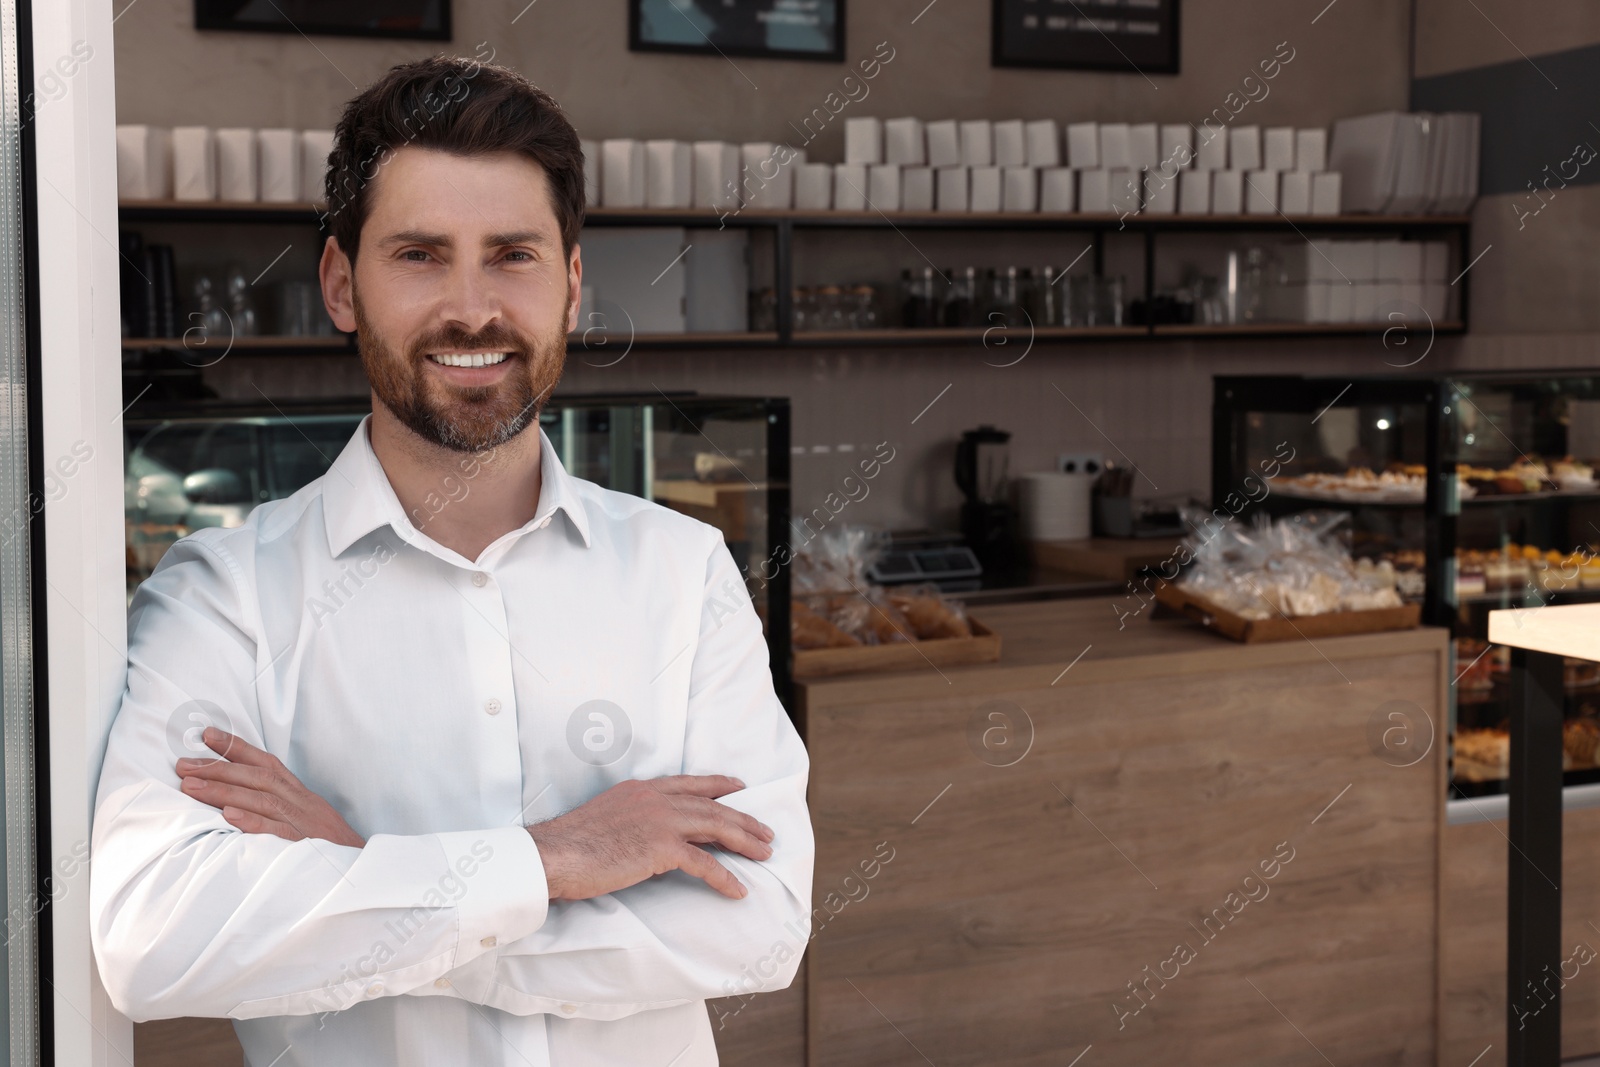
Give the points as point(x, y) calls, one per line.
point(496, 880)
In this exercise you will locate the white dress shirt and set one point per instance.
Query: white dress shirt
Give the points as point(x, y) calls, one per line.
point(439, 704)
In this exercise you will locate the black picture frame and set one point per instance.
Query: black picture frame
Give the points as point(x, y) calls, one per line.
point(1088, 50)
point(332, 18)
point(706, 47)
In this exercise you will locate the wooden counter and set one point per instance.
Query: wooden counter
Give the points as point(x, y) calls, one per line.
point(1024, 903)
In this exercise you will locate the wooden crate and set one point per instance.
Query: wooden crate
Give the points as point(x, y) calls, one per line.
point(982, 647)
point(1286, 628)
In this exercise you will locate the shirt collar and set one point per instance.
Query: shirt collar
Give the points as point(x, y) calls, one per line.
point(357, 497)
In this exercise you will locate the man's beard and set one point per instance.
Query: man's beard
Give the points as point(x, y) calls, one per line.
point(463, 419)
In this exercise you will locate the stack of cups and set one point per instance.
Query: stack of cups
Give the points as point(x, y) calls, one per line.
point(1055, 506)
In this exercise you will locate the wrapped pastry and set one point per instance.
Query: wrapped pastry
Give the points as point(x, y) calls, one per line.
point(931, 616)
point(810, 630)
point(1298, 566)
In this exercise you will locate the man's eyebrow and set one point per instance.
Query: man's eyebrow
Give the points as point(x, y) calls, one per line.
point(494, 240)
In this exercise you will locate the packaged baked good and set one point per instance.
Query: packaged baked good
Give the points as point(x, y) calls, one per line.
point(930, 614)
point(1299, 565)
point(1482, 755)
point(1579, 739)
point(810, 630)
point(830, 583)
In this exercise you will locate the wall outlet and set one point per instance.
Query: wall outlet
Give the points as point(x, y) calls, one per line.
point(1080, 463)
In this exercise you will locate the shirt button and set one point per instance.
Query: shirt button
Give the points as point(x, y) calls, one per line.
point(489, 942)
point(480, 579)
point(375, 989)
point(568, 1009)
point(442, 983)
point(492, 706)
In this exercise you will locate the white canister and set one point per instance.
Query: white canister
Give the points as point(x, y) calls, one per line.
point(1055, 506)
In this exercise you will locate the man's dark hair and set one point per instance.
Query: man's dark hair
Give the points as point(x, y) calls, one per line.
point(455, 105)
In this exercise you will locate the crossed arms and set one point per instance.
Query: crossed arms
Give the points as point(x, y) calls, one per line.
point(257, 898)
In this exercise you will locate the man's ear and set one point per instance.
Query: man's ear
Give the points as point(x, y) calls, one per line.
point(337, 275)
point(574, 288)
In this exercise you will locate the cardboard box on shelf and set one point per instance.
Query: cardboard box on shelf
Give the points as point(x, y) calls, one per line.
point(144, 162)
point(1083, 145)
point(1010, 144)
point(1020, 189)
point(952, 189)
point(669, 174)
point(622, 168)
point(813, 187)
point(850, 186)
point(194, 163)
point(863, 140)
point(1194, 192)
point(278, 153)
point(1043, 138)
point(238, 173)
point(985, 189)
point(1057, 190)
point(883, 187)
point(716, 175)
point(904, 143)
point(977, 143)
point(944, 143)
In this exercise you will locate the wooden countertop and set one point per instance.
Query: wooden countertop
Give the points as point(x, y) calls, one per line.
point(1052, 641)
point(1569, 630)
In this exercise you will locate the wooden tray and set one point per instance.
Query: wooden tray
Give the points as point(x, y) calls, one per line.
point(982, 647)
point(1279, 628)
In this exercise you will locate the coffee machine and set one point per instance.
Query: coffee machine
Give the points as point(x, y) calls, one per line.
point(988, 520)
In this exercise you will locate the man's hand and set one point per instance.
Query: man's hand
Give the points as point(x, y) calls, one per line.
point(258, 795)
point(637, 830)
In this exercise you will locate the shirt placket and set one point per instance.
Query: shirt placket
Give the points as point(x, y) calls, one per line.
point(490, 709)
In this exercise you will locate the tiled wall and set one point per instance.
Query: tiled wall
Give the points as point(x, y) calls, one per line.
point(1152, 401)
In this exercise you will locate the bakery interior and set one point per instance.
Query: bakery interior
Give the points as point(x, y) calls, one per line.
point(1127, 414)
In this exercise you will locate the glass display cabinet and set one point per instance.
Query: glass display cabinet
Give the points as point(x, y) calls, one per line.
point(1470, 492)
point(721, 459)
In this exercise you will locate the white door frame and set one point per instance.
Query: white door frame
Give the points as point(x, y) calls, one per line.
point(81, 383)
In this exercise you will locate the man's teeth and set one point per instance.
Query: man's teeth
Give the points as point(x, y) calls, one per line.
point(468, 359)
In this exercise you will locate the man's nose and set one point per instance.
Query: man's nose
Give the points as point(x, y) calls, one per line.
point(470, 298)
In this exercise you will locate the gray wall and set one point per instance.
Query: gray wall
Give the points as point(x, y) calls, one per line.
point(1151, 401)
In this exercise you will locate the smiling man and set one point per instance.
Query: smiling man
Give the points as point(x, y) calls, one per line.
point(497, 778)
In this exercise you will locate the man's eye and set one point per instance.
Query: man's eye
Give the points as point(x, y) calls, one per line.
point(518, 256)
point(414, 255)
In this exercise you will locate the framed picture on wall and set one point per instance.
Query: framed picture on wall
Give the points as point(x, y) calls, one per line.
point(772, 29)
point(427, 20)
point(1109, 35)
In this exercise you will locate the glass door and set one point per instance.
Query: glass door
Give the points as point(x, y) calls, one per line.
point(20, 945)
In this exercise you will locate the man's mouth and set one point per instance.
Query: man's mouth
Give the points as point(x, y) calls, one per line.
point(468, 359)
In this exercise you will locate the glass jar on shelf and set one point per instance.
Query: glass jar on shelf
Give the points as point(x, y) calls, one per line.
point(960, 308)
point(919, 301)
point(763, 311)
point(1109, 300)
point(863, 308)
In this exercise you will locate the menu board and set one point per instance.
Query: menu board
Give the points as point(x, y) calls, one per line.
point(1137, 36)
point(422, 19)
point(777, 29)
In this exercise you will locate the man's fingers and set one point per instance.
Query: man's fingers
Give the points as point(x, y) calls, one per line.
point(234, 748)
point(708, 823)
point(267, 806)
point(225, 771)
point(710, 786)
point(698, 862)
point(710, 818)
point(253, 823)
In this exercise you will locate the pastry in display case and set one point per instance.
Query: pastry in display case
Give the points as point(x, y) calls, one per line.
point(721, 459)
point(1479, 492)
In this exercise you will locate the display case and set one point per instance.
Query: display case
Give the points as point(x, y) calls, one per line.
point(1476, 491)
point(722, 459)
